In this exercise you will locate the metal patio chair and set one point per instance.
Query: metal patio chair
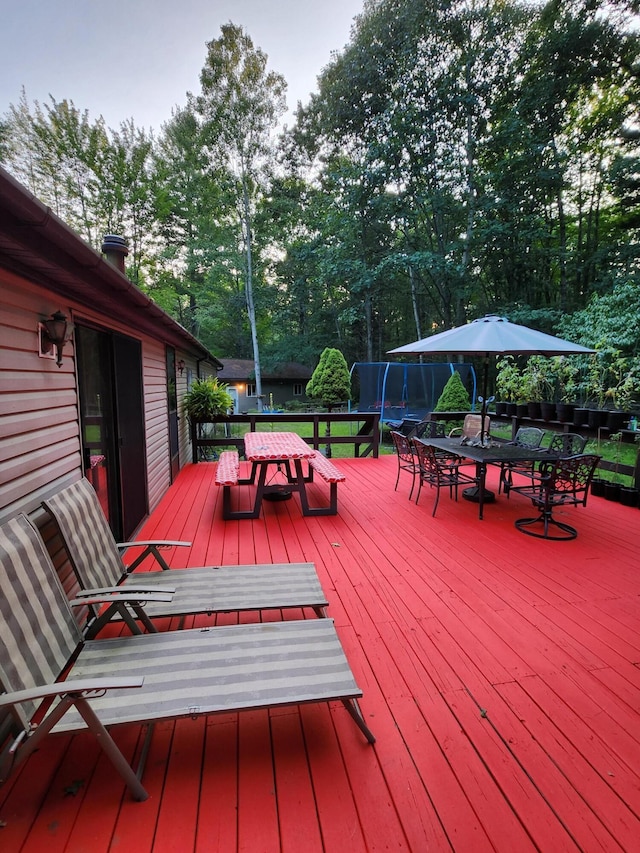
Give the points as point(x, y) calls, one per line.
point(562, 483)
point(524, 437)
point(144, 678)
point(441, 470)
point(96, 559)
point(406, 457)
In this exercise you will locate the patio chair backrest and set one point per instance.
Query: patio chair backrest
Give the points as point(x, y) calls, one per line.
point(429, 462)
point(571, 477)
point(92, 550)
point(430, 429)
point(38, 633)
point(567, 443)
point(402, 446)
point(472, 425)
point(528, 437)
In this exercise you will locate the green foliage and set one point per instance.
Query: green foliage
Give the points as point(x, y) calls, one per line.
point(509, 384)
point(609, 320)
point(457, 158)
point(206, 399)
point(454, 397)
point(330, 383)
point(538, 379)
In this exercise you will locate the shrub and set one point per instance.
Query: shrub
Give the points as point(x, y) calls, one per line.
point(454, 397)
point(330, 384)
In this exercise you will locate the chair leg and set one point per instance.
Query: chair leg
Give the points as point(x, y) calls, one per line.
point(435, 505)
point(546, 519)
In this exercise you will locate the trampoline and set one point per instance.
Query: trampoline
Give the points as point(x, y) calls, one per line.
point(400, 391)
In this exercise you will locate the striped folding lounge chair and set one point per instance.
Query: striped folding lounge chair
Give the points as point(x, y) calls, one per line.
point(97, 561)
point(147, 677)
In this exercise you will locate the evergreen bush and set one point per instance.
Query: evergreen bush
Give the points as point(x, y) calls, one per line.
point(454, 397)
point(330, 383)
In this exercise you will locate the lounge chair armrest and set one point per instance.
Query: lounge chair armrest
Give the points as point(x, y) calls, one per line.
point(150, 547)
point(129, 588)
point(158, 543)
point(85, 687)
point(122, 596)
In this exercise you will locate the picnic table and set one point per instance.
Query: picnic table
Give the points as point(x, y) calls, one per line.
point(287, 452)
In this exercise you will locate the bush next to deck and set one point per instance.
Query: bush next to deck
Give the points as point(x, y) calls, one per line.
point(454, 397)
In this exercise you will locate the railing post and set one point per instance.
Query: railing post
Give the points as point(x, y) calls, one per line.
point(194, 441)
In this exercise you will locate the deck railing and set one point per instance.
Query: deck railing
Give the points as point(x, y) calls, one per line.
point(365, 436)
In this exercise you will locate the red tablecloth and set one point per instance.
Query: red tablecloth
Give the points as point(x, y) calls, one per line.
point(275, 445)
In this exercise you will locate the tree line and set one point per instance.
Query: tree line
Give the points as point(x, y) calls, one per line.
point(459, 157)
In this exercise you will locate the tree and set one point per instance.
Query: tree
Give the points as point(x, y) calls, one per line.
point(240, 106)
point(330, 382)
point(98, 181)
point(200, 262)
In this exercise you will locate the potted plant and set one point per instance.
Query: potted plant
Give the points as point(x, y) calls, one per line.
point(596, 387)
point(206, 400)
point(629, 495)
point(612, 487)
point(623, 390)
point(538, 387)
point(566, 374)
point(509, 382)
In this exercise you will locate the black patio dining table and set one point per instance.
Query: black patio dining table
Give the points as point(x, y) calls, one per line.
point(493, 453)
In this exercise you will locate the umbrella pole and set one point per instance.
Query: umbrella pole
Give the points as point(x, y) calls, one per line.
point(485, 387)
point(479, 494)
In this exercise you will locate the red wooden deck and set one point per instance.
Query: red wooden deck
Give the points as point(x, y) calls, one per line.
point(500, 674)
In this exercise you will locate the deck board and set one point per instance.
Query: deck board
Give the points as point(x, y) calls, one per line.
point(501, 677)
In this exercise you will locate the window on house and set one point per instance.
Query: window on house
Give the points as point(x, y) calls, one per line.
point(251, 389)
point(297, 389)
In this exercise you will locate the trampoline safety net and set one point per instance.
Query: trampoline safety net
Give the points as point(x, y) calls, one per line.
point(400, 391)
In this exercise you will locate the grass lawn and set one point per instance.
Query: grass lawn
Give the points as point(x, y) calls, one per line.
point(620, 452)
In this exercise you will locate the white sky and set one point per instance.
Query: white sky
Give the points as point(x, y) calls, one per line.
point(138, 58)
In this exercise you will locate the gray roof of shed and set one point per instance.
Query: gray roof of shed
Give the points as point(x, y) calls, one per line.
point(242, 369)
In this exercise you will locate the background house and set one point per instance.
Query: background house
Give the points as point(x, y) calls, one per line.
point(111, 410)
point(286, 382)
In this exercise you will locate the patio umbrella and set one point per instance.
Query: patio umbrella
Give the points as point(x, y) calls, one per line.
point(492, 336)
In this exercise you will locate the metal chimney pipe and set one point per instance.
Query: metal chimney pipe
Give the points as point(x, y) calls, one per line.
point(115, 250)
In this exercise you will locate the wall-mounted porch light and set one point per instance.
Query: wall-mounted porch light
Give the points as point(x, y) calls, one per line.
point(55, 332)
point(181, 366)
